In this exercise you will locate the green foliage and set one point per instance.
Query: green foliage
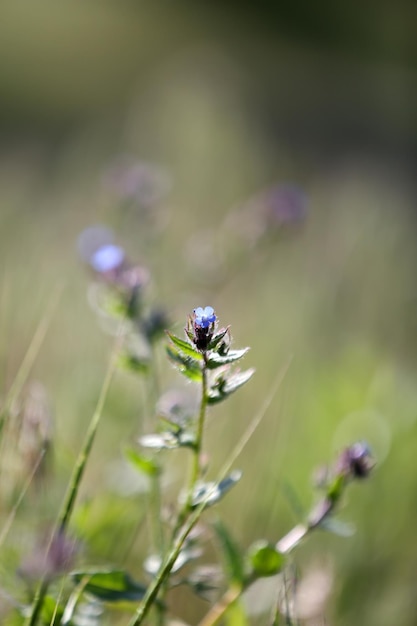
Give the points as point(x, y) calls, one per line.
point(185, 347)
point(110, 586)
point(217, 360)
point(231, 554)
point(264, 559)
point(224, 385)
point(146, 465)
point(189, 366)
point(210, 493)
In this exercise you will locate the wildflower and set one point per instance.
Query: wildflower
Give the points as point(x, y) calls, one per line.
point(107, 258)
point(356, 461)
point(204, 317)
point(203, 326)
point(50, 558)
point(132, 180)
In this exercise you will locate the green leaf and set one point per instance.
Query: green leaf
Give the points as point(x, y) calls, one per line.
point(231, 554)
point(335, 489)
point(111, 585)
point(264, 559)
point(185, 347)
point(188, 366)
point(223, 386)
point(144, 464)
point(216, 339)
point(133, 363)
point(51, 608)
point(210, 493)
point(216, 360)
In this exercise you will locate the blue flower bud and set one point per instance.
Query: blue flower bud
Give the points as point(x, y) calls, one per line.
point(203, 326)
point(204, 317)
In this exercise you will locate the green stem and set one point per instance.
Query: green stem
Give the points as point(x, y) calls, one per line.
point(82, 459)
point(195, 468)
point(167, 566)
point(37, 603)
point(219, 609)
point(74, 486)
point(26, 365)
point(195, 463)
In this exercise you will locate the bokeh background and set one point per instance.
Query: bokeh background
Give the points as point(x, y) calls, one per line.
point(277, 145)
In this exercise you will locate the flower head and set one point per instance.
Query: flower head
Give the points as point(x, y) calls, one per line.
point(356, 460)
point(204, 317)
point(107, 258)
point(201, 326)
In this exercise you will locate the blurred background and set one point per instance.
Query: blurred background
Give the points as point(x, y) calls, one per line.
point(256, 157)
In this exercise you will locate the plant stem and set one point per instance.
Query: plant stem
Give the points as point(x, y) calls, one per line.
point(195, 469)
point(219, 609)
point(26, 365)
point(82, 459)
point(167, 566)
point(74, 486)
point(37, 604)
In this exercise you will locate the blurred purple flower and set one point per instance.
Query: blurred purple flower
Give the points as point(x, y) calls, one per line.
point(143, 182)
point(356, 461)
point(284, 204)
point(50, 559)
point(107, 258)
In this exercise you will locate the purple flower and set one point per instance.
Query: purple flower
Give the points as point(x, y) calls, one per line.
point(107, 258)
point(204, 317)
point(356, 461)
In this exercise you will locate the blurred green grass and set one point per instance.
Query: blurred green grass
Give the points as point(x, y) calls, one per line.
point(337, 295)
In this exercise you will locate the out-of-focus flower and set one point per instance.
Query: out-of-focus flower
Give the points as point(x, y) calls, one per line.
point(204, 317)
point(50, 559)
point(355, 461)
point(138, 181)
point(111, 266)
point(107, 258)
point(276, 207)
point(97, 248)
point(284, 204)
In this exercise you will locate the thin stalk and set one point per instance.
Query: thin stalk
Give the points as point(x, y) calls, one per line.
point(219, 609)
point(37, 603)
point(168, 564)
point(27, 363)
point(195, 468)
point(9, 521)
point(156, 507)
point(72, 492)
point(82, 459)
point(195, 463)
